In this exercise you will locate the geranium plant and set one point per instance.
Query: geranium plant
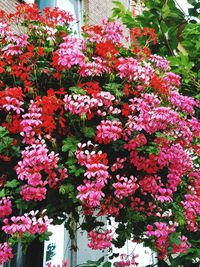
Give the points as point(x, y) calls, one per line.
point(94, 126)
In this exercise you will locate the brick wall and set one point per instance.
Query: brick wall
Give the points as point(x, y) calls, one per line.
point(96, 9)
point(8, 5)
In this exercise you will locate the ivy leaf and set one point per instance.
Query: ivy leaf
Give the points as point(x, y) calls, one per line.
point(67, 188)
point(90, 263)
point(77, 90)
point(12, 184)
point(2, 193)
point(88, 132)
point(119, 5)
point(115, 89)
point(45, 236)
point(21, 204)
point(107, 264)
point(3, 132)
point(70, 145)
point(175, 238)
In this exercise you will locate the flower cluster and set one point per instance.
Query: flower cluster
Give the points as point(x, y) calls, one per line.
point(107, 116)
point(26, 223)
point(12, 99)
point(96, 173)
point(127, 260)
point(161, 234)
point(5, 207)
point(37, 159)
point(108, 131)
point(5, 253)
point(125, 186)
point(100, 240)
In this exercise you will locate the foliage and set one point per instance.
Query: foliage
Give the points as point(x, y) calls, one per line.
point(177, 33)
point(66, 104)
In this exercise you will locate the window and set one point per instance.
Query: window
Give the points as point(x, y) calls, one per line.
point(75, 7)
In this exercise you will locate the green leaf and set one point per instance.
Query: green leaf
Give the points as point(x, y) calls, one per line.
point(77, 90)
point(119, 5)
point(21, 204)
point(166, 11)
point(107, 264)
point(88, 132)
point(12, 184)
point(175, 238)
point(67, 188)
point(3, 132)
point(45, 236)
point(115, 89)
point(163, 26)
point(90, 263)
point(70, 145)
point(2, 193)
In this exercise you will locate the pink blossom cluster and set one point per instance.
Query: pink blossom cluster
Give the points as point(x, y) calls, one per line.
point(17, 42)
point(161, 234)
point(155, 120)
point(96, 169)
point(100, 240)
point(108, 31)
point(3, 28)
point(70, 52)
point(191, 207)
point(86, 105)
point(33, 193)
point(31, 123)
point(110, 206)
point(26, 223)
point(132, 70)
point(137, 141)
point(80, 104)
point(180, 164)
point(194, 124)
point(60, 17)
point(112, 31)
point(64, 264)
point(127, 260)
point(12, 99)
point(172, 79)
point(164, 195)
point(12, 103)
point(36, 160)
point(150, 184)
point(96, 67)
point(5, 207)
point(185, 103)
point(108, 131)
point(119, 164)
point(5, 253)
point(182, 247)
point(124, 186)
point(160, 62)
point(90, 193)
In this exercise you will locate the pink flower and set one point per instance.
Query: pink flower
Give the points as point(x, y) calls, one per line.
point(99, 240)
point(26, 223)
point(108, 131)
point(5, 253)
point(5, 207)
